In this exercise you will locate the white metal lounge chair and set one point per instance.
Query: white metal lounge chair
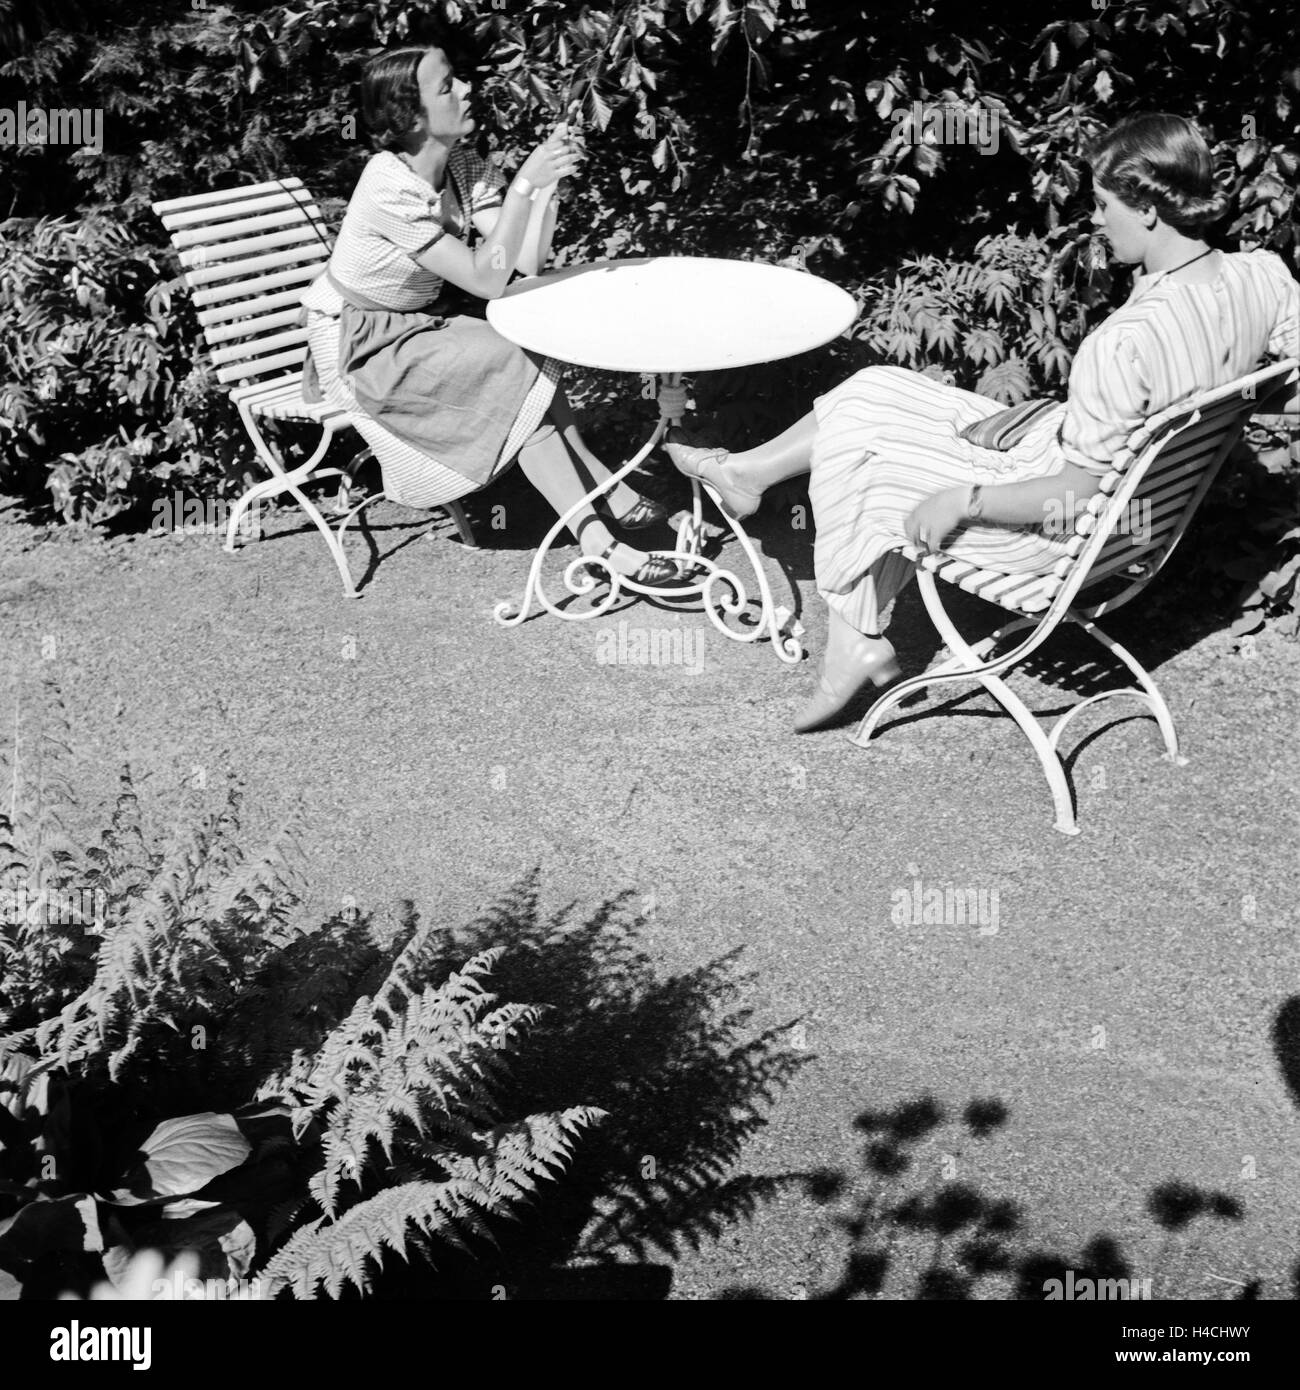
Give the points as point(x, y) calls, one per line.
point(247, 255)
point(1161, 475)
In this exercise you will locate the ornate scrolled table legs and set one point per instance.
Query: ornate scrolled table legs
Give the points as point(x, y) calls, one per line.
point(722, 592)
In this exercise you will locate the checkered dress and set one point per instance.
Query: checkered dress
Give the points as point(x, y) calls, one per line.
point(393, 217)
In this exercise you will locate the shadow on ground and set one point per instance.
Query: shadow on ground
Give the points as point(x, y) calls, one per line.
point(672, 1061)
point(943, 1239)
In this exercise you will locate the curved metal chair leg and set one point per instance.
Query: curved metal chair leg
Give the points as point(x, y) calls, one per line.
point(957, 667)
point(281, 480)
point(260, 492)
point(342, 504)
point(1149, 694)
point(356, 511)
point(1049, 759)
point(335, 545)
point(966, 663)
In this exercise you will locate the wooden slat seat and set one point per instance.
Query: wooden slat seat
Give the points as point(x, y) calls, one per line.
point(247, 254)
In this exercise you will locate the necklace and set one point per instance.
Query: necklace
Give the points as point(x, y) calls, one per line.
point(1209, 250)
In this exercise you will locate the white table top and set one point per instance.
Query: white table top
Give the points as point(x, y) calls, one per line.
point(672, 314)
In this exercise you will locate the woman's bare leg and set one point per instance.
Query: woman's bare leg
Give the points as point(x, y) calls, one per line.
point(857, 651)
point(621, 498)
point(547, 464)
point(786, 456)
point(741, 478)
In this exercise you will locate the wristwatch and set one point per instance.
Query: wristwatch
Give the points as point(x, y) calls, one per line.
point(524, 187)
point(975, 506)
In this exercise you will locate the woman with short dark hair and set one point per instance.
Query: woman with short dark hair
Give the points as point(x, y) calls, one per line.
point(889, 453)
point(394, 322)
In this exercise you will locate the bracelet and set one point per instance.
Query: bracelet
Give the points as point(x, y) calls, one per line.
point(524, 188)
point(975, 503)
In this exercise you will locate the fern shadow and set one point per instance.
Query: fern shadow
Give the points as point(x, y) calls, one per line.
point(672, 1062)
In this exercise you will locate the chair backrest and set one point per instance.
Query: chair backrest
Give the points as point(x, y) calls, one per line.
point(247, 255)
point(1158, 481)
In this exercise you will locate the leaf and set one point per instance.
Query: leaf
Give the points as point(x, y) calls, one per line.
point(64, 1224)
point(600, 108)
point(183, 1155)
point(185, 1208)
point(1008, 381)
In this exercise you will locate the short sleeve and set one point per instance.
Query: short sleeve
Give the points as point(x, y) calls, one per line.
point(1109, 398)
point(398, 211)
point(1284, 336)
point(483, 180)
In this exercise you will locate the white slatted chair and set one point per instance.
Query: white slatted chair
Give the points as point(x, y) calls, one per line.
point(1161, 475)
point(247, 255)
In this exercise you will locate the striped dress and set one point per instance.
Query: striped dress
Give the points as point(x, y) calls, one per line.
point(887, 437)
point(392, 217)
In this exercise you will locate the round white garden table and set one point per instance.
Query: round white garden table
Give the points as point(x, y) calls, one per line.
point(660, 317)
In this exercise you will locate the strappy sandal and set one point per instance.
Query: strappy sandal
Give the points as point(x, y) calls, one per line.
point(656, 573)
point(641, 514)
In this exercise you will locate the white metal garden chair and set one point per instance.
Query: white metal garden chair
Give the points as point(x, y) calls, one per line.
point(248, 254)
point(1161, 475)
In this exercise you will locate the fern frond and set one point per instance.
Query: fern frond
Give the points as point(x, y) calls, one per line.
point(417, 1077)
point(180, 944)
point(273, 876)
point(346, 1252)
point(523, 1153)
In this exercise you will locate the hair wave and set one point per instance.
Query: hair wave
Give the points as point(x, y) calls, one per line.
point(1161, 161)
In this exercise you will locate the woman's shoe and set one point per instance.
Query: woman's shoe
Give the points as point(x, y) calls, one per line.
point(641, 514)
point(656, 573)
point(705, 464)
point(843, 677)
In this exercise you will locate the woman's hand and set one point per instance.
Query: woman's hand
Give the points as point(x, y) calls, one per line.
point(556, 158)
point(936, 517)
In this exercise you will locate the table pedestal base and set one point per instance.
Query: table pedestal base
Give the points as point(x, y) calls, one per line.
point(722, 593)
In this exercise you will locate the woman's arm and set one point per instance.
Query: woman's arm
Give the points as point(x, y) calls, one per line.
point(487, 269)
point(1055, 497)
point(538, 234)
point(536, 250)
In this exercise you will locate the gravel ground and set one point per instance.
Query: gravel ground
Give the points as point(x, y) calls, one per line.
point(1119, 994)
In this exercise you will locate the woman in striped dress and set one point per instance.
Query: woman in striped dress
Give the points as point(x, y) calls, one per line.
point(445, 401)
point(887, 459)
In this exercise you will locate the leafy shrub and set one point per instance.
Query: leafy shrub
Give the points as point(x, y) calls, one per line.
point(990, 323)
point(799, 121)
point(102, 404)
point(370, 1117)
